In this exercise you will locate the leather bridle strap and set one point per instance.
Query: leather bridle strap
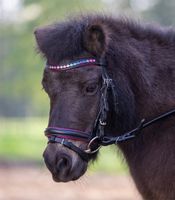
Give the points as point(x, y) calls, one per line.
point(66, 133)
point(133, 133)
point(107, 87)
point(70, 145)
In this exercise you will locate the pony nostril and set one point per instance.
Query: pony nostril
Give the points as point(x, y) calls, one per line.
point(63, 165)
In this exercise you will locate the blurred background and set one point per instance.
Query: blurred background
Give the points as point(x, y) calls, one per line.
point(24, 105)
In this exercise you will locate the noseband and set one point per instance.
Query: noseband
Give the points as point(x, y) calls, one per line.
point(97, 137)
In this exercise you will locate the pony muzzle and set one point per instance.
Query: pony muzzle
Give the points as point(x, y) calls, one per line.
point(63, 135)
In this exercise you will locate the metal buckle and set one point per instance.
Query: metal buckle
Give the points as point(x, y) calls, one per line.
point(89, 150)
point(62, 141)
point(107, 81)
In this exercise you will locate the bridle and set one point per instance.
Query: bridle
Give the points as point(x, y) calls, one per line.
point(97, 138)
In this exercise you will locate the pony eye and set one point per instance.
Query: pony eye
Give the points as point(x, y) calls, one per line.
point(91, 89)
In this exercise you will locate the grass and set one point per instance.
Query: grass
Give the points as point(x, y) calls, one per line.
point(23, 139)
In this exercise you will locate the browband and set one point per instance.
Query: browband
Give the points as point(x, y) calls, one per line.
point(74, 64)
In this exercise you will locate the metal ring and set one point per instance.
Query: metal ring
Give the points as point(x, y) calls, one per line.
point(88, 150)
point(102, 123)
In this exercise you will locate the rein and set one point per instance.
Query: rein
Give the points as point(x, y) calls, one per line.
point(97, 138)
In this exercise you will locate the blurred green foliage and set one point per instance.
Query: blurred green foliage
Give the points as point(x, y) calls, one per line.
point(162, 12)
point(22, 138)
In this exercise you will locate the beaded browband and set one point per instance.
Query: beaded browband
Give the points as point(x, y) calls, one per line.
point(74, 64)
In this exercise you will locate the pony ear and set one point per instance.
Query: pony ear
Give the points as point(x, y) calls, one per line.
point(42, 36)
point(95, 39)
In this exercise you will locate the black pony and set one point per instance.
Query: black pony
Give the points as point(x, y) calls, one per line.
point(129, 70)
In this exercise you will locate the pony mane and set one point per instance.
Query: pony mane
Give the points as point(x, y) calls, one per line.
point(65, 40)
